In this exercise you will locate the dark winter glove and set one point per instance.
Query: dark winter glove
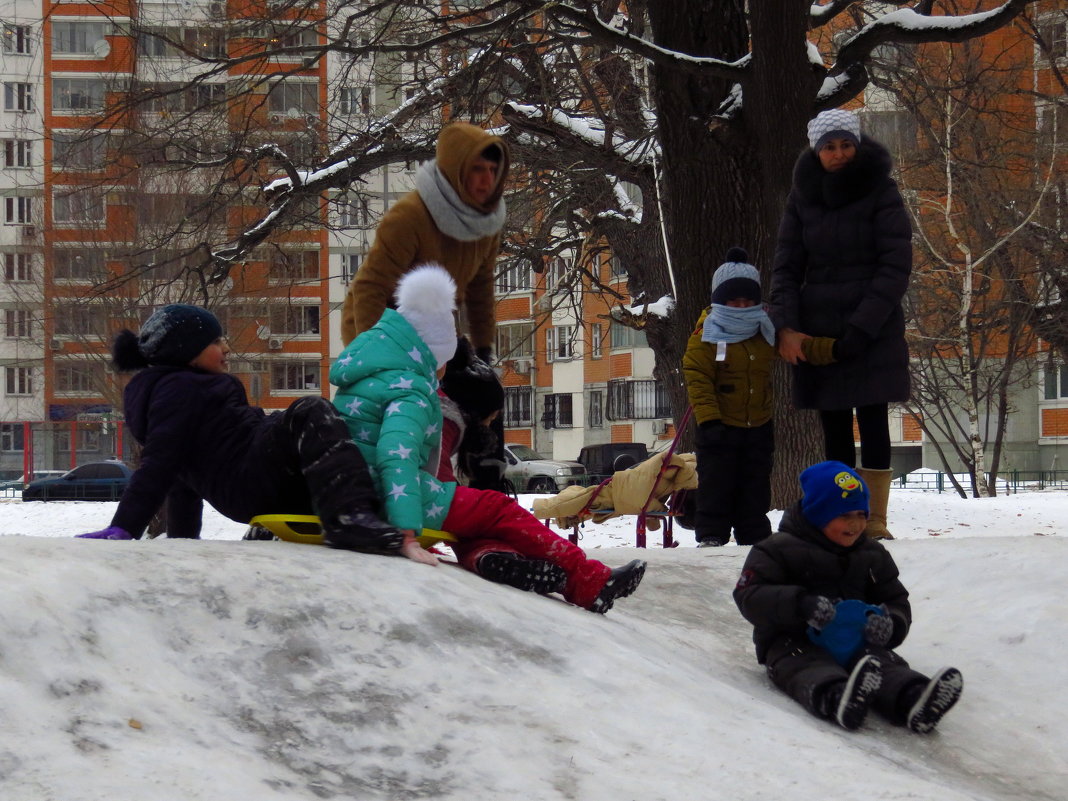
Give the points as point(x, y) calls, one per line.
point(485, 354)
point(711, 432)
point(109, 533)
point(817, 610)
point(852, 343)
point(879, 627)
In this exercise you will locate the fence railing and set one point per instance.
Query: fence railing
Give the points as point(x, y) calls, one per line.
point(1011, 481)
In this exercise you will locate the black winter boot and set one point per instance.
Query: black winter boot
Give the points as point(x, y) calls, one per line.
point(623, 581)
point(935, 699)
point(529, 575)
point(362, 531)
point(847, 702)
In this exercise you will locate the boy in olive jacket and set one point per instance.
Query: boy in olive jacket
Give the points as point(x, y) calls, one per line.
point(727, 367)
point(828, 608)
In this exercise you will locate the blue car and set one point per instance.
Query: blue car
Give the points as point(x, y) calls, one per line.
point(95, 481)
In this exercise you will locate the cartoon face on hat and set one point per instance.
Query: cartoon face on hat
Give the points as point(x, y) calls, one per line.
point(831, 489)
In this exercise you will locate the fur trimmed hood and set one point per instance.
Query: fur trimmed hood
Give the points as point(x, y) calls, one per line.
point(865, 173)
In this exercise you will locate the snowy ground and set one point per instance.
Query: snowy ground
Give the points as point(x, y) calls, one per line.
point(198, 671)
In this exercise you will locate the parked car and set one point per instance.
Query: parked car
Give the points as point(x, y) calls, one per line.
point(601, 461)
point(528, 471)
point(94, 481)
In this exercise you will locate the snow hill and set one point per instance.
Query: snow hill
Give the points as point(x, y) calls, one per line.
point(198, 671)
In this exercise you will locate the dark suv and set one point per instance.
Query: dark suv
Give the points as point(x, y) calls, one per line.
point(601, 461)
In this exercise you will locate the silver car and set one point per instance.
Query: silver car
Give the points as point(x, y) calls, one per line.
point(528, 471)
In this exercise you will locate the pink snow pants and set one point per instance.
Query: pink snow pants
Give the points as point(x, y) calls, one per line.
point(486, 521)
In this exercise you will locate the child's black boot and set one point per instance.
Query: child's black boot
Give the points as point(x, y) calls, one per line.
point(362, 531)
point(523, 573)
point(623, 581)
point(927, 703)
point(847, 702)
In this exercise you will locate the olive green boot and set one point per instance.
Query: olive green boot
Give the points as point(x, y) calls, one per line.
point(878, 482)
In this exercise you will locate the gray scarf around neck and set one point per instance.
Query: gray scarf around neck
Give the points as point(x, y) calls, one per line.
point(452, 216)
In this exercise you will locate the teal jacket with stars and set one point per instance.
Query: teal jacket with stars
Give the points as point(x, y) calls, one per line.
point(387, 394)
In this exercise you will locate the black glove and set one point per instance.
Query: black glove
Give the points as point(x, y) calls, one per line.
point(817, 610)
point(879, 628)
point(852, 343)
point(711, 432)
point(485, 354)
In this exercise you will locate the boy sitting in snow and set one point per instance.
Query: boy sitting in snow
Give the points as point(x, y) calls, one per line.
point(827, 608)
point(387, 381)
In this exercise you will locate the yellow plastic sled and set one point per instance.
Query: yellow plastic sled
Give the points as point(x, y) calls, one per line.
point(306, 530)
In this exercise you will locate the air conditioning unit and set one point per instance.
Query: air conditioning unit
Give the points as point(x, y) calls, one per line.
point(523, 366)
point(29, 232)
point(276, 117)
point(217, 9)
point(55, 344)
point(660, 427)
point(274, 343)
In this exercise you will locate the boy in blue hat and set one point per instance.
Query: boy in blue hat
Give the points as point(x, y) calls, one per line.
point(801, 589)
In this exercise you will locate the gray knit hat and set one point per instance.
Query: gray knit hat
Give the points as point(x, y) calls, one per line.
point(736, 278)
point(834, 124)
point(177, 333)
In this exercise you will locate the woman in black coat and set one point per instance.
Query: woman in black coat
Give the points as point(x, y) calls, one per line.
point(842, 266)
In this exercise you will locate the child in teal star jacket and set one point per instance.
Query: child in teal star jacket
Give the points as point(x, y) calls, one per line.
point(387, 381)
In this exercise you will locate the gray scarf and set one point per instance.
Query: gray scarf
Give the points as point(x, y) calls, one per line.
point(452, 216)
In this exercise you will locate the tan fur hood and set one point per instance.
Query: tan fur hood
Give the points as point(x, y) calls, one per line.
point(459, 144)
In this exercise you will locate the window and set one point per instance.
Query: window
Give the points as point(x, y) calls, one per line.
point(353, 212)
point(596, 340)
point(518, 406)
point(80, 320)
point(558, 411)
point(616, 268)
point(78, 265)
point(18, 153)
point(515, 277)
point(78, 206)
point(77, 38)
point(896, 129)
point(1055, 382)
point(637, 400)
point(17, 39)
point(18, 267)
point(558, 343)
point(11, 437)
point(556, 274)
point(205, 42)
point(294, 266)
point(1054, 33)
point(18, 324)
point(515, 341)
point(78, 94)
point(595, 417)
point(75, 379)
point(18, 210)
point(18, 380)
point(294, 320)
point(79, 150)
point(88, 439)
point(350, 263)
point(300, 98)
point(18, 97)
point(294, 376)
point(623, 336)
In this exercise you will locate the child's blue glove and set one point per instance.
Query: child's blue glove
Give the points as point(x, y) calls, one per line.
point(844, 635)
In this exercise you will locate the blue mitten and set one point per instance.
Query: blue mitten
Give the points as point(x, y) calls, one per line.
point(109, 533)
point(844, 635)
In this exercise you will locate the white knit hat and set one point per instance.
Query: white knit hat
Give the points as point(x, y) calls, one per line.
point(426, 298)
point(836, 123)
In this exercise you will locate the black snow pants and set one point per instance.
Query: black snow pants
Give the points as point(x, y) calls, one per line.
point(804, 670)
point(734, 483)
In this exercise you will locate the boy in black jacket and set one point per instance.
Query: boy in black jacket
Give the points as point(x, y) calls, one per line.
point(202, 440)
point(804, 584)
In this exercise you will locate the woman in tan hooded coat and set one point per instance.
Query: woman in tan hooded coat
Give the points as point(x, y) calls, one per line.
point(453, 218)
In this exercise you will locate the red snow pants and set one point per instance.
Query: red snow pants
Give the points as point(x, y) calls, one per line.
point(485, 521)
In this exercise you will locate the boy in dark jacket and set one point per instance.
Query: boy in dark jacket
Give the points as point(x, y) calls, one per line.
point(802, 584)
point(202, 441)
point(727, 367)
